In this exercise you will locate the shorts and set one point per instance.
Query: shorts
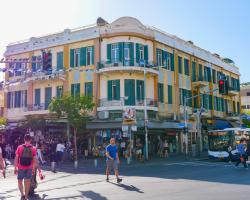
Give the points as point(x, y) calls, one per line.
point(112, 164)
point(24, 174)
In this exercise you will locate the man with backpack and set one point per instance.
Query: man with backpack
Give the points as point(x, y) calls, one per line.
point(25, 164)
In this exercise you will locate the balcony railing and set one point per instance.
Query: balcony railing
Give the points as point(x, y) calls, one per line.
point(124, 63)
point(124, 102)
point(36, 107)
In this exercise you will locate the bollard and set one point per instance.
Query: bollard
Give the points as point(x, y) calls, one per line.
point(76, 164)
point(128, 160)
point(53, 166)
point(95, 163)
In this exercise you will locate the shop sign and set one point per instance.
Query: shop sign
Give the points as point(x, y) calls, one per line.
point(129, 116)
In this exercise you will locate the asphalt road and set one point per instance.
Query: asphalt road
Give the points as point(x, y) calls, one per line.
point(190, 180)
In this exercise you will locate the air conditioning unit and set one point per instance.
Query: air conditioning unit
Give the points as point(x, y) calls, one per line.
point(103, 115)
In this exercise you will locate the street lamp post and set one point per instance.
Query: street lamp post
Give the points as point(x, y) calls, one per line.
point(145, 114)
point(185, 126)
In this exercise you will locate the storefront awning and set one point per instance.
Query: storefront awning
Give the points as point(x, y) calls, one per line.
point(140, 124)
point(104, 125)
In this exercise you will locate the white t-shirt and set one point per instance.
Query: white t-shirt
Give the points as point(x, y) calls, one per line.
point(123, 145)
point(60, 147)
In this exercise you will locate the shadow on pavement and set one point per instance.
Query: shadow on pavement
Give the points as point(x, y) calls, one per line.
point(84, 194)
point(130, 188)
point(207, 171)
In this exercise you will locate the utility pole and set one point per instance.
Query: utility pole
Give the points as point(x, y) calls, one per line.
point(145, 114)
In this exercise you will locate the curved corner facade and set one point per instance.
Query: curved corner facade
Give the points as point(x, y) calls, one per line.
point(105, 62)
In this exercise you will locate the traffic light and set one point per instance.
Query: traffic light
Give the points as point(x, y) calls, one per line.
point(223, 86)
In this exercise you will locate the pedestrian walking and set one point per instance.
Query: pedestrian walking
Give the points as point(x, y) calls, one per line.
point(248, 151)
point(25, 165)
point(242, 153)
point(60, 151)
point(229, 149)
point(2, 162)
point(112, 160)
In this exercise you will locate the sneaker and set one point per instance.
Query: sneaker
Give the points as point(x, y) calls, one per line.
point(107, 179)
point(119, 180)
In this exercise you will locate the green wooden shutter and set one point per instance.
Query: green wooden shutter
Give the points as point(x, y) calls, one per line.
point(160, 93)
point(180, 64)
point(83, 56)
point(72, 58)
point(59, 60)
point(93, 55)
point(78, 89)
point(109, 90)
point(146, 53)
point(210, 102)
point(131, 53)
point(117, 83)
point(37, 96)
point(132, 90)
point(193, 71)
point(109, 53)
point(88, 89)
point(137, 52)
point(139, 93)
point(172, 61)
point(48, 96)
point(170, 94)
point(127, 91)
point(200, 78)
point(121, 51)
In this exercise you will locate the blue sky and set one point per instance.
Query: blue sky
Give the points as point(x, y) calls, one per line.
point(221, 26)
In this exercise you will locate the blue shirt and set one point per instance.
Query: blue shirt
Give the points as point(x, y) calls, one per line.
point(112, 150)
point(241, 149)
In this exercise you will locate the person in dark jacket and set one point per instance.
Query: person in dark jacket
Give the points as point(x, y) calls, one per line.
point(242, 152)
point(248, 150)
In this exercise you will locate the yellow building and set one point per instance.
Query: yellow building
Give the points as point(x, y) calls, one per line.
point(105, 61)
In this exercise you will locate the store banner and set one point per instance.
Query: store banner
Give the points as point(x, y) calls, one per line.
point(129, 116)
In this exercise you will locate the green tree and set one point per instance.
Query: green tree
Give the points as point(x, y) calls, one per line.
point(76, 109)
point(3, 121)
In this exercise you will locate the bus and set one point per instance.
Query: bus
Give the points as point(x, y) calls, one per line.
point(220, 140)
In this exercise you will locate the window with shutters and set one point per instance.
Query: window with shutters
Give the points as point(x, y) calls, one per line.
point(159, 57)
point(59, 91)
point(126, 54)
point(160, 92)
point(115, 53)
point(89, 56)
point(180, 64)
point(37, 97)
point(75, 89)
point(141, 52)
point(186, 66)
point(214, 76)
point(59, 60)
point(113, 90)
point(77, 58)
point(140, 90)
point(88, 90)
